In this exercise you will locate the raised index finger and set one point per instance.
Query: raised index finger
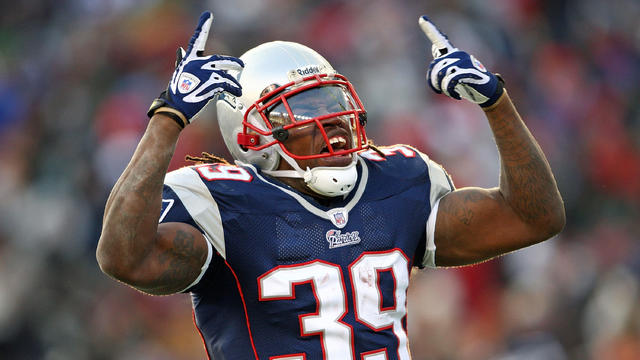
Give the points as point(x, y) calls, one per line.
point(199, 38)
point(437, 38)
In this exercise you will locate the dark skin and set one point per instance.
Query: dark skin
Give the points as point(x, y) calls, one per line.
point(309, 140)
point(473, 224)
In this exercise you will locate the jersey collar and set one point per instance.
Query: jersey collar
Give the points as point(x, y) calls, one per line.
point(339, 216)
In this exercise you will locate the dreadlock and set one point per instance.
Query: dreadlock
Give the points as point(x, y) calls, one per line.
point(373, 147)
point(206, 158)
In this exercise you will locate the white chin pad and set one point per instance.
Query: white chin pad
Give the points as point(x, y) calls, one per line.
point(324, 180)
point(332, 181)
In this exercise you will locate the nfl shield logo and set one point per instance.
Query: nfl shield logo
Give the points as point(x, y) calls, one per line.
point(185, 85)
point(477, 64)
point(339, 217)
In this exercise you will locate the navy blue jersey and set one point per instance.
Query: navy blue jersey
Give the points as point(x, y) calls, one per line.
point(290, 278)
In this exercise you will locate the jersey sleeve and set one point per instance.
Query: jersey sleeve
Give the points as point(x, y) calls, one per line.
point(440, 185)
point(187, 199)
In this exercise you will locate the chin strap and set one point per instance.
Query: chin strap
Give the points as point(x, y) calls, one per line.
point(297, 172)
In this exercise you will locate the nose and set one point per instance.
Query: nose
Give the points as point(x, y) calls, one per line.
point(338, 121)
point(334, 121)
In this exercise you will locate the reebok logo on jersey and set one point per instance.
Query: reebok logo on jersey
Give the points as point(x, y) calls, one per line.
point(337, 239)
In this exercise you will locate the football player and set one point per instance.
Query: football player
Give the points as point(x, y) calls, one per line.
point(303, 248)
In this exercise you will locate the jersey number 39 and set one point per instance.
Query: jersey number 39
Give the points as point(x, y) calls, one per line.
point(328, 286)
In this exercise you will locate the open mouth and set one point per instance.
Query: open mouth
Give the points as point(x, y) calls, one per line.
point(338, 143)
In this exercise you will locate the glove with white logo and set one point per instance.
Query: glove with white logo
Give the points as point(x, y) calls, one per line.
point(458, 74)
point(197, 78)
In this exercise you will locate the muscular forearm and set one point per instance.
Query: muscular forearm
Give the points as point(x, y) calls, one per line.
point(526, 181)
point(133, 208)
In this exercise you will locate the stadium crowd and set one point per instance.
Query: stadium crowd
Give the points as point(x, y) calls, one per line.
point(76, 79)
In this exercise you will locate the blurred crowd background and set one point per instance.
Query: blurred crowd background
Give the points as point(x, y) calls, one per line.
point(77, 76)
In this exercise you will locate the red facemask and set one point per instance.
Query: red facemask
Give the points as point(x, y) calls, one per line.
point(311, 101)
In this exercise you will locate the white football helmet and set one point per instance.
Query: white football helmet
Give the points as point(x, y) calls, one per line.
point(288, 86)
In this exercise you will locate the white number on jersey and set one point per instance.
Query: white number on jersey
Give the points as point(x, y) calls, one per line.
point(328, 286)
point(368, 298)
point(388, 151)
point(223, 172)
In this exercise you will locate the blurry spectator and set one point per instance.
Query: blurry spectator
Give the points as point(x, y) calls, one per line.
point(72, 73)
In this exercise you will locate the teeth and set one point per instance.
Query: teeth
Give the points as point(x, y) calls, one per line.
point(338, 139)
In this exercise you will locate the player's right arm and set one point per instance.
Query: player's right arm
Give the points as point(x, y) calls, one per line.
point(133, 248)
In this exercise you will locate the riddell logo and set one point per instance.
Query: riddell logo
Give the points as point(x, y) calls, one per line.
point(337, 239)
point(309, 70)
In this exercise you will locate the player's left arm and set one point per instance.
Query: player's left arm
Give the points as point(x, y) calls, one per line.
point(475, 224)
